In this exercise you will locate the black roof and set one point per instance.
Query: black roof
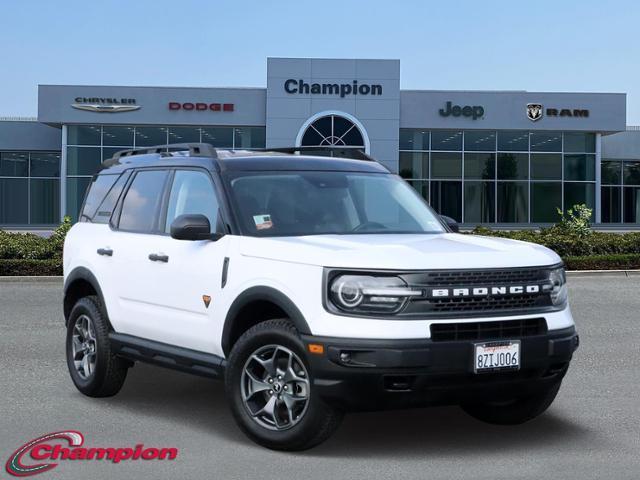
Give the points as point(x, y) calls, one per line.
point(204, 155)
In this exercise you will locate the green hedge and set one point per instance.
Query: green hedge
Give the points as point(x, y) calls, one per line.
point(29, 267)
point(628, 261)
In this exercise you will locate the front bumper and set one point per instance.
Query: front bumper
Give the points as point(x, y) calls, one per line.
point(358, 374)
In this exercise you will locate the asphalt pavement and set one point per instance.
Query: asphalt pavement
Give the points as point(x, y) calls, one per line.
point(592, 431)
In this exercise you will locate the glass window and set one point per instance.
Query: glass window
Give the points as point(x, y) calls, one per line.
point(546, 198)
point(76, 188)
point(422, 187)
point(579, 142)
point(315, 203)
point(109, 152)
point(513, 140)
point(480, 140)
point(513, 202)
point(221, 137)
point(611, 211)
point(119, 136)
point(142, 201)
point(578, 193)
point(446, 140)
point(480, 165)
point(631, 205)
point(414, 164)
point(446, 165)
point(479, 202)
point(184, 135)
point(83, 135)
point(83, 160)
point(446, 199)
point(44, 201)
point(513, 166)
point(611, 173)
point(14, 201)
point(98, 189)
point(546, 141)
point(14, 164)
point(192, 192)
point(632, 173)
point(580, 167)
point(546, 166)
point(411, 139)
point(254, 137)
point(150, 136)
point(45, 164)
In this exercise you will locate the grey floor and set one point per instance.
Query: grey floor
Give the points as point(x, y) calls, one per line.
point(591, 431)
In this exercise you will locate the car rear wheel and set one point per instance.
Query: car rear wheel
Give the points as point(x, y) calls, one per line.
point(270, 389)
point(94, 369)
point(514, 411)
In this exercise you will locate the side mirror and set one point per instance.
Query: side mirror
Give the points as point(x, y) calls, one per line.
point(192, 227)
point(451, 223)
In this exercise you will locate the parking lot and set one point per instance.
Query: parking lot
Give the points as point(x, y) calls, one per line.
point(591, 431)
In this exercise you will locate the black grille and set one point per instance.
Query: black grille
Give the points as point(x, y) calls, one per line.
point(505, 329)
point(472, 305)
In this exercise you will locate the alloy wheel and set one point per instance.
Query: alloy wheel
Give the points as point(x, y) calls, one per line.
point(275, 387)
point(84, 347)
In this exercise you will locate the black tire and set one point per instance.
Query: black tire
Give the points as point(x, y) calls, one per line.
point(516, 411)
point(314, 425)
point(108, 375)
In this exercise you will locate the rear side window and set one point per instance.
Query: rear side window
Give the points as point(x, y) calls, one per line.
point(142, 201)
point(102, 197)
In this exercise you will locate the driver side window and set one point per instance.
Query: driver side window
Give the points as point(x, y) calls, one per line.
point(192, 192)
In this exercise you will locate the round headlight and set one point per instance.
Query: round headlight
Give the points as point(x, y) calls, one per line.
point(369, 294)
point(348, 292)
point(559, 291)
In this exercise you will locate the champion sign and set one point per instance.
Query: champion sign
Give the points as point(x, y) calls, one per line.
point(43, 453)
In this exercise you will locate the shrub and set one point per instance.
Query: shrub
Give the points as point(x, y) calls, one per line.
point(28, 246)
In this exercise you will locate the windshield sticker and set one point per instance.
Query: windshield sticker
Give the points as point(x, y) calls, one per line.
point(263, 222)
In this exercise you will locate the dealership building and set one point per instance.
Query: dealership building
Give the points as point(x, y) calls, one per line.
point(500, 158)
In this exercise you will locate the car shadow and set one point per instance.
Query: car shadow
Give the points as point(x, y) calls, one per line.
point(200, 404)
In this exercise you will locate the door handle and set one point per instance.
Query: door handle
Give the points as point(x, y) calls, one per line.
point(105, 251)
point(154, 257)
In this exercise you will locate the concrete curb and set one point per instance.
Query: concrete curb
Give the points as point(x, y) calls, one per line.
point(42, 279)
point(601, 273)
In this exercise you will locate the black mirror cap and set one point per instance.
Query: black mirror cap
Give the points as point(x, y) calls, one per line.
point(191, 227)
point(451, 223)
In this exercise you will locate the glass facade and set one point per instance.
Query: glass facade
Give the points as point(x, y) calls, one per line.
point(620, 191)
point(29, 188)
point(89, 145)
point(503, 176)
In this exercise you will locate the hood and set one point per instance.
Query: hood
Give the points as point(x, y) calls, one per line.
point(400, 252)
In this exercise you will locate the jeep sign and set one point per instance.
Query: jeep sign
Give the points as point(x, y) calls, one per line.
point(475, 112)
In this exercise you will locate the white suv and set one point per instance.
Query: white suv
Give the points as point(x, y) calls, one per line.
point(313, 285)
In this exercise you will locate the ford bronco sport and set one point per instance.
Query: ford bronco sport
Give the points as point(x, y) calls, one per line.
point(313, 285)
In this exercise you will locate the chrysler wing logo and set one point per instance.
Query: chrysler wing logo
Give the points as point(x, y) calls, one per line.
point(534, 111)
point(96, 107)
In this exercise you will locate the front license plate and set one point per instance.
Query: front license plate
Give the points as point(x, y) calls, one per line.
point(492, 356)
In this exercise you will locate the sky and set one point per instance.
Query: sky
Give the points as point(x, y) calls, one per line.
point(564, 46)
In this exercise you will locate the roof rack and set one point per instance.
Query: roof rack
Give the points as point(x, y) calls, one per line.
point(355, 153)
point(194, 149)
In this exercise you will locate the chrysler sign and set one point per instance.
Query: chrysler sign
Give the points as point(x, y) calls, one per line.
point(105, 104)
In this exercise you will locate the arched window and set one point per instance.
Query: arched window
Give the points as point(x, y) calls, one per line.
point(332, 130)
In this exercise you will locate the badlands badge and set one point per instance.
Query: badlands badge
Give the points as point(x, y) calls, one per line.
point(534, 111)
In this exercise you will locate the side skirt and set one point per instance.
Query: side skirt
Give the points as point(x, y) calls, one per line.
point(169, 356)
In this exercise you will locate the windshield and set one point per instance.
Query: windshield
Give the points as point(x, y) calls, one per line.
point(315, 203)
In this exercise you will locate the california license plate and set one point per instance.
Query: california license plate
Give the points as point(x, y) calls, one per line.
point(493, 356)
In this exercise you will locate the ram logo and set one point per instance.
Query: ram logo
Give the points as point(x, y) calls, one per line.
point(534, 111)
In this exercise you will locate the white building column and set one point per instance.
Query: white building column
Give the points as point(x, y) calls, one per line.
point(63, 174)
point(598, 177)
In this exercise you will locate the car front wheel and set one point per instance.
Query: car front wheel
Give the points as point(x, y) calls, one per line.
point(270, 389)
